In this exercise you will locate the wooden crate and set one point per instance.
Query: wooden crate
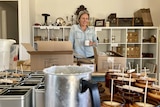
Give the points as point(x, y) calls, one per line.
point(125, 21)
point(133, 52)
point(145, 14)
point(132, 37)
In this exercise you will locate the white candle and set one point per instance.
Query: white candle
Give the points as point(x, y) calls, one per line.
point(123, 73)
point(112, 65)
point(159, 80)
point(4, 24)
point(145, 94)
point(6, 74)
point(129, 81)
point(119, 67)
point(112, 91)
point(22, 68)
point(137, 68)
point(16, 70)
point(145, 72)
point(129, 64)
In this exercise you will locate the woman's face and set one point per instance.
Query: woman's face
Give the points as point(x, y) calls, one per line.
point(84, 19)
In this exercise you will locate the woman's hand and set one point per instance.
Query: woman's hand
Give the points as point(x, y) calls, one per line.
point(91, 43)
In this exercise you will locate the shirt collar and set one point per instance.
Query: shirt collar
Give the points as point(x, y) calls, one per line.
point(80, 27)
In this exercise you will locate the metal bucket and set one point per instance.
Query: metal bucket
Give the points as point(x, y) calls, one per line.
point(68, 86)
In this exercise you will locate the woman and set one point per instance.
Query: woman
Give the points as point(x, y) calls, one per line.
point(83, 37)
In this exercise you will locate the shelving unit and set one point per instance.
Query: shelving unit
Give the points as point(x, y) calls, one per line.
point(47, 33)
point(134, 43)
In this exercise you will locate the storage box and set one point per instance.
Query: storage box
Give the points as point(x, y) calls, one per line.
point(125, 21)
point(133, 52)
point(132, 37)
point(104, 62)
point(50, 53)
point(145, 15)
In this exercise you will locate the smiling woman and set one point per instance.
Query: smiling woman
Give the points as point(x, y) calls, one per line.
point(83, 37)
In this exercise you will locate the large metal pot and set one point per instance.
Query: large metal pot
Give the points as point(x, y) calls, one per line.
point(68, 86)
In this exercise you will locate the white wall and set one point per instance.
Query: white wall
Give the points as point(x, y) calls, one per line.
point(97, 8)
point(26, 18)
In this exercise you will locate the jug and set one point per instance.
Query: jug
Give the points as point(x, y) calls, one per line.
point(5, 45)
point(69, 86)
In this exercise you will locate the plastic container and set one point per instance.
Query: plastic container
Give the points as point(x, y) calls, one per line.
point(5, 45)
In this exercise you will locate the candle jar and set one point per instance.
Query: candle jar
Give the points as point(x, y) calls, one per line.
point(106, 40)
point(113, 39)
point(155, 94)
point(129, 95)
point(108, 77)
point(117, 101)
point(150, 102)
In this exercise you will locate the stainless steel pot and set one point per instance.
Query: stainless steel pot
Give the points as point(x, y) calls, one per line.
point(29, 84)
point(17, 97)
point(39, 96)
point(69, 86)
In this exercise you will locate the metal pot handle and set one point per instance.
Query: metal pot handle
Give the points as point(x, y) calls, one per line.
point(93, 90)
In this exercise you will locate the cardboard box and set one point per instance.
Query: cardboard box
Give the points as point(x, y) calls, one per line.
point(105, 62)
point(50, 53)
point(145, 14)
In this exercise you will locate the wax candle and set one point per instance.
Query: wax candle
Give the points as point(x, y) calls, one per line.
point(129, 81)
point(22, 68)
point(145, 94)
point(137, 68)
point(112, 91)
point(123, 73)
point(145, 72)
point(6, 74)
point(129, 64)
point(16, 70)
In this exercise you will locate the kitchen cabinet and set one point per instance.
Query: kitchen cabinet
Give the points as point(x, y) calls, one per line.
point(139, 45)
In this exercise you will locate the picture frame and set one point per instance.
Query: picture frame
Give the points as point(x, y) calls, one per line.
point(99, 22)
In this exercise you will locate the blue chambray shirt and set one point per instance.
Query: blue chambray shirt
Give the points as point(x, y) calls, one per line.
point(78, 37)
